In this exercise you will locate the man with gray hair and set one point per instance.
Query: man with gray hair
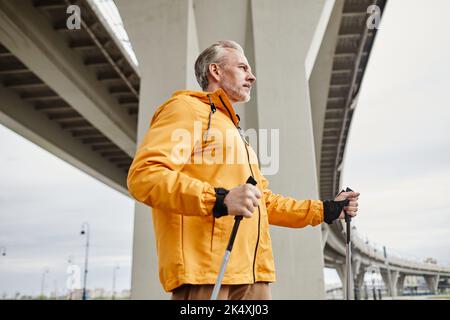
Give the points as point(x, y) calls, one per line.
point(194, 202)
point(215, 55)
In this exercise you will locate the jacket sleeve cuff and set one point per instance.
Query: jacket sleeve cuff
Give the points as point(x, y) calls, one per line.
point(318, 208)
point(208, 200)
point(220, 209)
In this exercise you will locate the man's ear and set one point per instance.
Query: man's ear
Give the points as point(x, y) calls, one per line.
point(214, 71)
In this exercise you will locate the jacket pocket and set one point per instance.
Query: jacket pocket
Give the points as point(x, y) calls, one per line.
point(212, 234)
point(216, 235)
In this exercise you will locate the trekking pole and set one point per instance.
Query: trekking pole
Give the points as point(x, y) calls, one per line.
point(348, 253)
point(226, 257)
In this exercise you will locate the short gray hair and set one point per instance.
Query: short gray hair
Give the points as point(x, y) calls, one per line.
point(212, 54)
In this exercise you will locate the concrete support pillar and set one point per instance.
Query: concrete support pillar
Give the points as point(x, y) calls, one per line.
point(358, 282)
point(164, 37)
point(400, 283)
point(320, 76)
point(390, 279)
point(394, 278)
point(325, 233)
point(278, 40)
point(358, 272)
point(282, 35)
point(356, 265)
point(340, 269)
point(432, 283)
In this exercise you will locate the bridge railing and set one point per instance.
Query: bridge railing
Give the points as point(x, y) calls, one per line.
point(108, 10)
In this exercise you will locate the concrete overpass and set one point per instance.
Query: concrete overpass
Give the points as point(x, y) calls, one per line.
point(367, 258)
point(73, 92)
point(77, 94)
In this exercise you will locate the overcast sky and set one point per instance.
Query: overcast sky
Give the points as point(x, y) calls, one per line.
point(398, 157)
point(43, 203)
point(398, 152)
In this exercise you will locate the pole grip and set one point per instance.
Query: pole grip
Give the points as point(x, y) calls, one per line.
point(348, 219)
point(346, 216)
point(252, 181)
point(237, 219)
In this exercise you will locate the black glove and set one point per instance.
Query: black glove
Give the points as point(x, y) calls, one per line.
point(220, 209)
point(332, 209)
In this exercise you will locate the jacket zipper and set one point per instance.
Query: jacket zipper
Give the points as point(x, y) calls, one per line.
point(251, 171)
point(259, 217)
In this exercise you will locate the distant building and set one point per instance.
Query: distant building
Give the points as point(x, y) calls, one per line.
point(76, 294)
point(125, 294)
point(98, 293)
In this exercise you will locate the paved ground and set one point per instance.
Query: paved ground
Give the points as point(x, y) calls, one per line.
point(437, 297)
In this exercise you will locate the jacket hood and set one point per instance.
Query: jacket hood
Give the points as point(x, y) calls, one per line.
point(218, 98)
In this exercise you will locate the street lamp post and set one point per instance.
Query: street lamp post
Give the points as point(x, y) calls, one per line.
point(85, 231)
point(70, 285)
point(114, 282)
point(43, 282)
point(373, 285)
point(56, 289)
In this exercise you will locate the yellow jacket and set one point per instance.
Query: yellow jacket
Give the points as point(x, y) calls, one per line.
point(167, 175)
